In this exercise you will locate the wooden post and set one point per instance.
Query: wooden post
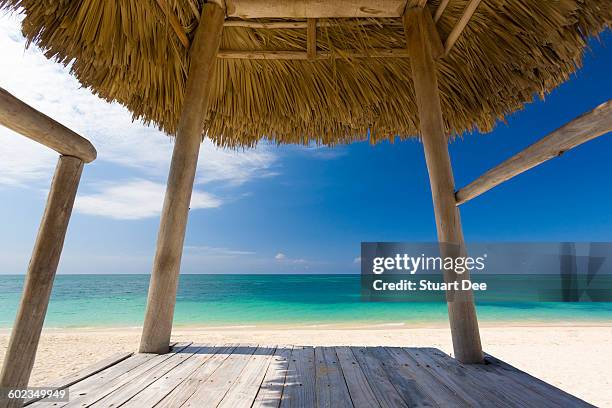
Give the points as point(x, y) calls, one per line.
point(424, 44)
point(164, 278)
point(22, 347)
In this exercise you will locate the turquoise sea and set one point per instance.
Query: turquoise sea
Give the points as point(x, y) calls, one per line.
point(228, 300)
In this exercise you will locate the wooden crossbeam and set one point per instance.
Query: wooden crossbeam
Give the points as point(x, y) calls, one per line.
point(321, 55)
point(586, 127)
point(295, 24)
point(22, 118)
point(460, 26)
point(314, 8)
point(270, 25)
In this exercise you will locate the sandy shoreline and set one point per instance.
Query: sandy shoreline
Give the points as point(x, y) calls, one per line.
point(574, 357)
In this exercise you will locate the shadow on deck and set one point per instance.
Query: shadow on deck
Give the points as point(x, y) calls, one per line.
point(296, 376)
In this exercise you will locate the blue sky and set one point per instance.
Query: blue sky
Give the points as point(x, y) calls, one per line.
point(287, 209)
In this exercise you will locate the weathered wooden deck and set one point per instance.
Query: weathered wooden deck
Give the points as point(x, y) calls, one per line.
point(290, 376)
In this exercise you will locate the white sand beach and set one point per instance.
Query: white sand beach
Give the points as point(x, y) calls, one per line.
point(575, 358)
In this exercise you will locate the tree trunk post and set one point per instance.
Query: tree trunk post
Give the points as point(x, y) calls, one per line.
point(25, 335)
point(424, 45)
point(166, 266)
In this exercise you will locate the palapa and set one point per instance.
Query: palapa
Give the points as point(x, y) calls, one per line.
point(510, 52)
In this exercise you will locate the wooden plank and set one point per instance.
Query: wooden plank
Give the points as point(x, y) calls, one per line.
point(88, 371)
point(211, 392)
point(190, 384)
point(165, 385)
point(456, 374)
point(587, 126)
point(299, 388)
point(330, 386)
point(314, 8)
point(243, 391)
point(311, 39)
point(321, 55)
point(507, 392)
point(176, 25)
point(85, 396)
point(357, 384)
point(383, 389)
point(100, 379)
point(127, 391)
point(271, 389)
point(21, 351)
point(460, 26)
point(473, 397)
point(406, 385)
point(461, 310)
point(164, 277)
point(27, 121)
point(431, 385)
point(550, 392)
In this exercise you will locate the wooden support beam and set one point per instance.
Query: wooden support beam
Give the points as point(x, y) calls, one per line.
point(297, 24)
point(21, 352)
point(461, 309)
point(321, 55)
point(586, 127)
point(164, 278)
point(271, 25)
point(311, 42)
point(440, 10)
point(460, 26)
point(314, 8)
point(22, 118)
point(174, 22)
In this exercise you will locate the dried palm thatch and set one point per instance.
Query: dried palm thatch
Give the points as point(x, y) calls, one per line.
point(126, 51)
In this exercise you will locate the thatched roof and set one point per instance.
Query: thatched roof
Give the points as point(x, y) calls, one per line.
point(126, 51)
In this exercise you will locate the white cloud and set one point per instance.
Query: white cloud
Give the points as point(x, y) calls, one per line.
point(22, 161)
point(215, 251)
point(357, 260)
point(139, 150)
point(326, 153)
point(135, 199)
point(282, 258)
point(234, 167)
